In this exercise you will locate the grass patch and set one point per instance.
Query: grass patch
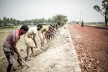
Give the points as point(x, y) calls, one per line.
point(97, 25)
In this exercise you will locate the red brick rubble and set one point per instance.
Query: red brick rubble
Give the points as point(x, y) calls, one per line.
point(91, 44)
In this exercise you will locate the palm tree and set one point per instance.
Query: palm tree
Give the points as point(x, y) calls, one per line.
point(59, 19)
point(97, 8)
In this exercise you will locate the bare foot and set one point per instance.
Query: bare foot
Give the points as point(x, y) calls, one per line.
point(27, 59)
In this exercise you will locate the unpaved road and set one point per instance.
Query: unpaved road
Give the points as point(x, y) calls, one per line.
point(58, 55)
point(91, 45)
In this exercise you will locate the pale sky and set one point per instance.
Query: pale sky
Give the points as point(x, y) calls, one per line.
point(32, 9)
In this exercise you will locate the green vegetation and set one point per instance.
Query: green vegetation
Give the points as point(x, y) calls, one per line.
point(59, 19)
point(11, 23)
point(103, 10)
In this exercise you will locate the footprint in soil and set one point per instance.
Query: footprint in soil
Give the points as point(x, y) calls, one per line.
point(53, 66)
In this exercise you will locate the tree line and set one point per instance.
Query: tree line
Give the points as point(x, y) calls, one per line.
point(59, 18)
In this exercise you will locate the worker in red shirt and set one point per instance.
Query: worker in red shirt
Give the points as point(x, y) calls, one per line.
point(9, 46)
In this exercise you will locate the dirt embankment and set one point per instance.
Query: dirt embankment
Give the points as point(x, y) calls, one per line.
point(58, 55)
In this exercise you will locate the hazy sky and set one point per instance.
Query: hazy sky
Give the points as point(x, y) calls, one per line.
point(32, 9)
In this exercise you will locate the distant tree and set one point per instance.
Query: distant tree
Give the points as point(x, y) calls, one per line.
point(41, 20)
point(59, 19)
point(35, 21)
point(4, 19)
point(103, 10)
point(4, 23)
point(49, 20)
point(0, 22)
point(14, 21)
point(18, 22)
